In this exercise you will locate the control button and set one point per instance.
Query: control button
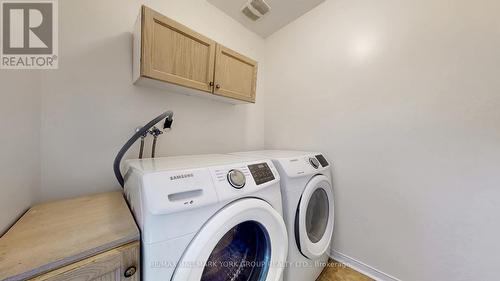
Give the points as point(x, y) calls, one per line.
point(236, 178)
point(314, 162)
point(261, 173)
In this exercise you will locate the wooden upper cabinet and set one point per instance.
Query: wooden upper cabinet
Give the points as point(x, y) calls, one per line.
point(173, 53)
point(235, 75)
point(167, 51)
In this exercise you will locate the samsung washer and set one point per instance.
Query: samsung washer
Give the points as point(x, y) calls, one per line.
point(208, 218)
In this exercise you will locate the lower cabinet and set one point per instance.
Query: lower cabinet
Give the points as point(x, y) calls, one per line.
point(122, 263)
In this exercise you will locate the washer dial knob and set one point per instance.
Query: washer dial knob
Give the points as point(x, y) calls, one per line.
point(314, 162)
point(236, 178)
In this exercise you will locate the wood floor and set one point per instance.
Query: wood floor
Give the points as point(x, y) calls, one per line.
point(336, 271)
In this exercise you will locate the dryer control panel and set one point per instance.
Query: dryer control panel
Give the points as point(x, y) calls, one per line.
point(308, 164)
point(322, 160)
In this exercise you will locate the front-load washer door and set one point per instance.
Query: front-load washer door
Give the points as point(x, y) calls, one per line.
point(315, 218)
point(244, 241)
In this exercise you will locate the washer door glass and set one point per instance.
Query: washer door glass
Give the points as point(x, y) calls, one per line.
point(242, 254)
point(317, 215)
point(244, 241)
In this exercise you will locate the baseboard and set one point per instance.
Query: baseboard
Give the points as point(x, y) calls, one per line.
point(362, 267)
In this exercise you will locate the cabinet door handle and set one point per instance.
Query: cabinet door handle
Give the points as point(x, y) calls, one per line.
point(130, 271)
point(217, 86)
point(211, 83)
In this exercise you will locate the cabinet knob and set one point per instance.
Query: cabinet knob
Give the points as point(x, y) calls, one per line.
point(211, 84)
point(130, 271)
point(217, 86)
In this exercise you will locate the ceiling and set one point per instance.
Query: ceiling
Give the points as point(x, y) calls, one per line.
point(282, 12)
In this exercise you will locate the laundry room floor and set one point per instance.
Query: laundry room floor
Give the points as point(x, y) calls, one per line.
point(336, 271)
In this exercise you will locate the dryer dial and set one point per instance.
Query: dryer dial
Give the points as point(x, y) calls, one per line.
point(236, 178)
point(314, 162)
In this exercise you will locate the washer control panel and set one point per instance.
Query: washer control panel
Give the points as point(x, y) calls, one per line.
point(261, 173)
point(235, 180)
point(167, 190)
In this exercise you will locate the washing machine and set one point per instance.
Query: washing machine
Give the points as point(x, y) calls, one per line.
point(308, 209)
point(208, 218)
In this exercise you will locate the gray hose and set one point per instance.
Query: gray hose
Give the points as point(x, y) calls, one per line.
point(141, 150)
point(153, 150)
point(132, 140)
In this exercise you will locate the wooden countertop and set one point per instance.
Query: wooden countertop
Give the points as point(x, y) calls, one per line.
point(55, 234)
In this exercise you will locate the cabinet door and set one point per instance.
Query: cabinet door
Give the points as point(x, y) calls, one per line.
point(173, 53)
point(235, 75)
point(110, 266)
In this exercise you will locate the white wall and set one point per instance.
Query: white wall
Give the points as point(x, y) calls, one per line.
point(90, 108)
point(404, 97)
point(401, 95)
point(19, 144)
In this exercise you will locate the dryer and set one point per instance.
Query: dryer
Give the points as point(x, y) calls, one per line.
point(308, 209)
point(208, 217)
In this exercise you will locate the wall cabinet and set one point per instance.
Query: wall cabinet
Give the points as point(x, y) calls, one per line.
point(173, 56)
